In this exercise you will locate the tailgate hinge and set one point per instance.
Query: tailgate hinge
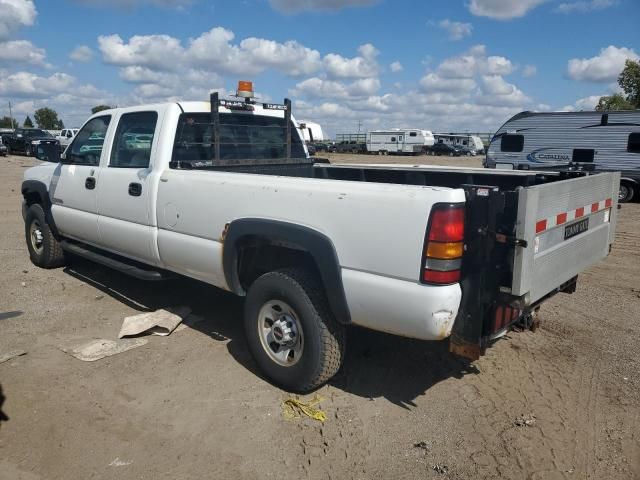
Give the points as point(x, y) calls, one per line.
point(510, 240)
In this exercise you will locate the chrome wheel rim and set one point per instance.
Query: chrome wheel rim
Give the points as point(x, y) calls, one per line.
point(280, 333)
point(623, 192)
point(35, 234)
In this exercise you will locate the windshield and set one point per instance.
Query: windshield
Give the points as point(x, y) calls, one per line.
point(37, 133)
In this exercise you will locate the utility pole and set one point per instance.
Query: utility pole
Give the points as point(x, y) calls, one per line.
point(11, 117)
point(359, 125)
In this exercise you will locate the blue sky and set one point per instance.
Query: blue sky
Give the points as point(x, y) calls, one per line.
point(440, 65)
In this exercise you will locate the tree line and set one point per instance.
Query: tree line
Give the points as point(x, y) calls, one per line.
point(629, 81)
point(45, 118)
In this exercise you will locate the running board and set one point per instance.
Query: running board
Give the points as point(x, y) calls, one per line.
point(116, 262)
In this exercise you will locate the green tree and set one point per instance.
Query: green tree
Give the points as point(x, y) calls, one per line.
point(629, 81)
point(614, 102)
point(99, 108)
point(27, 122)
point(8, 122)
point(46, 118)
point(60, 125)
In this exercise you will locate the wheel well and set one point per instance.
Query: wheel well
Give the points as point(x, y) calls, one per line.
point(31, 197)
point(258, 255)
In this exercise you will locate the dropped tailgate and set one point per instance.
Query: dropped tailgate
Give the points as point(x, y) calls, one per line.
point(568, 226)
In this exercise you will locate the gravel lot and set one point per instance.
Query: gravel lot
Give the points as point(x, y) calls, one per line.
point(559, 403)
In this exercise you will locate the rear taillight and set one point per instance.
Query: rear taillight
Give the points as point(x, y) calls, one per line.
point(444, 245)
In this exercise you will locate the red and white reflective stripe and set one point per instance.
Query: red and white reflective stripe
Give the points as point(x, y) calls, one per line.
point(564, 217)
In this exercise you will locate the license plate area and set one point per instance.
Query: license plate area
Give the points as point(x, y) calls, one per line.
point(576, 228)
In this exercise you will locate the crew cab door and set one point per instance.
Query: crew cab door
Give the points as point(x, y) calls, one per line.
point(125, 199)
point(77, 180)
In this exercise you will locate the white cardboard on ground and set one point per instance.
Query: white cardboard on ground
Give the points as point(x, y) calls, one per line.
point(161, 322)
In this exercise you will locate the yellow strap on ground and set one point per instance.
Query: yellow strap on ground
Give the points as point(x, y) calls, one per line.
point(295, 408)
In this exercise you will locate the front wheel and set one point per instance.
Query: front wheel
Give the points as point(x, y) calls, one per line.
point(291, 332)
point(44, 250)
point(626, 193)
point(27, 150)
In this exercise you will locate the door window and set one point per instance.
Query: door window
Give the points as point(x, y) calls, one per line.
point(87, 145)
point(133, 140)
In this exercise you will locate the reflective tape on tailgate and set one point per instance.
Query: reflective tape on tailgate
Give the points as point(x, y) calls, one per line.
point(568, 225)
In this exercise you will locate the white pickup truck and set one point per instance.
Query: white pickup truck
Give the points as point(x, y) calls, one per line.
point(224, 192)
point(66, 137)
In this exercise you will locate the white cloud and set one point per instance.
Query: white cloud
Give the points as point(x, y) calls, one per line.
point(474, 62)
point(456, 30)
point(81, 53)
point(294, 6)
point(432, 82)
point(331, 89)
point(213, 51)
point(15, 14)
point(604, 67)
point(584, 6)
point(529, 71)
point(396, 67)
point(362, 66)
point(497, 91)
point(21, 51)
point(502, 9)
point(26, 84)
point(586, 103)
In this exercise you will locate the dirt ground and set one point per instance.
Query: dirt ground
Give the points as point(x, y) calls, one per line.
point(563, 402)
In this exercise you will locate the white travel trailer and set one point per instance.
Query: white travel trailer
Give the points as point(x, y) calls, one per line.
point(399, 140)
point(311, 131)
point(472, 142)
point(602, 141)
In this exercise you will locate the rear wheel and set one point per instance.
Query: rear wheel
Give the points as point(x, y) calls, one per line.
point(44, 249)
point(626, 192)
point(291, 332)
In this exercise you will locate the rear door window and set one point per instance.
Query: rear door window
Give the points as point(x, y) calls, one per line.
point(512, 143)
point(133, 140)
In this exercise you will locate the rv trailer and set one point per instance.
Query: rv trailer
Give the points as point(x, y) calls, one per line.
point(399, 140)
point(472, 142)
point(311, 131)
point(599, 141)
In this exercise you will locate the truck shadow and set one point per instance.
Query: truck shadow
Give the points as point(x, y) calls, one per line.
point(377, 365)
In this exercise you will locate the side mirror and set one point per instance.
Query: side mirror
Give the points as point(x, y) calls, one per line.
point(48, 152)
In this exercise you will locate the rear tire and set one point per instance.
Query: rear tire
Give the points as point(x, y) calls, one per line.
point(626, 193)
point(312, 347)
point(44, 250)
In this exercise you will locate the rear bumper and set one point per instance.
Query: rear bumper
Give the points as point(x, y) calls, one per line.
point(403, 308)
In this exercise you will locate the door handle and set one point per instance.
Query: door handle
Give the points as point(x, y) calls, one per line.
point(90, 183)
point(135, 189)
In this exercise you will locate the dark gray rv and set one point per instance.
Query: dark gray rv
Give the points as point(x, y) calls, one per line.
point(600, 141)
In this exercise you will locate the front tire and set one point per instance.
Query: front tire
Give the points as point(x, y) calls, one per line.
point(626, 193)
point(44, 250)
point(291, 331)
point(27, 150)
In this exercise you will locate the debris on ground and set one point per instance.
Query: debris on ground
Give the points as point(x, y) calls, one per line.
point(101, 348)
point(119, 463)
point(161, 322)
point(5, 357)
point(525, 420)
point(423, 446)
point(296, 408)
point(441, 469)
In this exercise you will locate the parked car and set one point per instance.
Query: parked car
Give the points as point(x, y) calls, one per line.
point(311, 149)
point(65, 137)
point(26, 140)
point(466, 151)
point(444, 149)
point(423, 252)
point(350, 146)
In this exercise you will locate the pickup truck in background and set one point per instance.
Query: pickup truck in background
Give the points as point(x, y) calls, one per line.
point(26, 140)
point(224, 192)
point(65, 137)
